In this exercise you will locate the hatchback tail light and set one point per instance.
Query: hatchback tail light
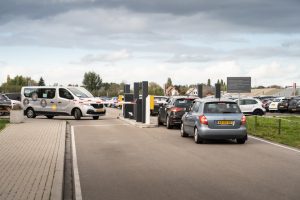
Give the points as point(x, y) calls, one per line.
point(203, 120)
point(243, 120)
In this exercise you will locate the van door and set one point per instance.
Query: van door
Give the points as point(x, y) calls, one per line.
point(46, 97)
point(65, 101)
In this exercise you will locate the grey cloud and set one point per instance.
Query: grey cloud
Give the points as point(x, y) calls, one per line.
point(254, 15)
point(112, 57)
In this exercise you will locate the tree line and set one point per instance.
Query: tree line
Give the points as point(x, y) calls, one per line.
point(94, 83)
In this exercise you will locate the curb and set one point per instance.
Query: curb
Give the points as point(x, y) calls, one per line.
point(137, 124)
point(58, 180)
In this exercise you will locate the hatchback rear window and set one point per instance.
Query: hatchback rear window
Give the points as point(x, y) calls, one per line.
point(221, 107)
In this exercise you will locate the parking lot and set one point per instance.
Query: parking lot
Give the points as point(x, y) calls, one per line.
point(119, 161)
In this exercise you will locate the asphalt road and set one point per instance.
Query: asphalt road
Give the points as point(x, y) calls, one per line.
point(118, 161)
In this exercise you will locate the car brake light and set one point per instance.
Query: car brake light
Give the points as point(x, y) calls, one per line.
point(243, 120)
point(203, 120)
point(176, 109)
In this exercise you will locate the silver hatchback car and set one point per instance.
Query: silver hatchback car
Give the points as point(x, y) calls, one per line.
point(214, 119)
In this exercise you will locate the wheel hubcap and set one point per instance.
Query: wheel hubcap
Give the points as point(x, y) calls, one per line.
point(30, 113)
point(196, 135)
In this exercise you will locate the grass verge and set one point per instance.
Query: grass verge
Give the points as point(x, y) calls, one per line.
point(284, 130)
point(3, 122)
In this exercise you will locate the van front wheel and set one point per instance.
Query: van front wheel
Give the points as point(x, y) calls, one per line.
point(77, 114)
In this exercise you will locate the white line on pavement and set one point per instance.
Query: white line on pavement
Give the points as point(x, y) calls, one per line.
point(102, 125)
point(272, 143)
point(77, 187)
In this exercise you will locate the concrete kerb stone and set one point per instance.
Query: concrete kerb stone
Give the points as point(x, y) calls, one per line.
point(58, 180)
point(137, 124)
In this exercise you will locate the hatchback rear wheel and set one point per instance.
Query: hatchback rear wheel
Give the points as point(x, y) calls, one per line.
point(197, 137)
point(183, 133)
point(241, 141)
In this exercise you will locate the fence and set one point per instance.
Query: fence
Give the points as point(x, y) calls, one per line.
point(285, 130)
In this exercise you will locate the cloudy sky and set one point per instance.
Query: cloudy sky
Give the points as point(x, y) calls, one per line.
point(134, 40)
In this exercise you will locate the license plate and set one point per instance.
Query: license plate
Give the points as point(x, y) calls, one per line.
point(99, 110)
point(225, 122)
point(281, 106)
point(293, 109)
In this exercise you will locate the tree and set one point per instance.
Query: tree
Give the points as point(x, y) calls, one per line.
point(169, 83)
point(92, 82)
point(15, 84)
point(182, 89)
point(209, 82)
point(41, 82)
point(155, 89)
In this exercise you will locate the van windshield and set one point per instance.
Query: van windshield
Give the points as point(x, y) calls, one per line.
point(81, 92)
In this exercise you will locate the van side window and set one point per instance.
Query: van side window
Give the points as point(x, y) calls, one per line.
point(46, 93)
point(28, 92)
point(63, 93)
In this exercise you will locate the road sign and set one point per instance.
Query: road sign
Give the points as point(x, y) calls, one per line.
point(238, 84)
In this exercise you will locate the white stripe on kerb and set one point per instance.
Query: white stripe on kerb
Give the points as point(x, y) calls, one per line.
point(275, 144)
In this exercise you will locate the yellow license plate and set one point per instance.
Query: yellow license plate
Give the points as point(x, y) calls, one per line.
point(225, 122)
point(99, 110)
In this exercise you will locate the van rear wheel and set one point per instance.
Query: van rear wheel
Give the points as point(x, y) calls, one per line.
point(50, 116)
point(77, 114)
point(30, 113)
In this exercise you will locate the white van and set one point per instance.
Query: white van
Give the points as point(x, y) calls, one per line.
point(60, 101)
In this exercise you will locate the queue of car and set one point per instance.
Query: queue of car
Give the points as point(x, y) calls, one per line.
point(208, 118)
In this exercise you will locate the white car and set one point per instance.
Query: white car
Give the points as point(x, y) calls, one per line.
point(251, 106)
point(273, 107)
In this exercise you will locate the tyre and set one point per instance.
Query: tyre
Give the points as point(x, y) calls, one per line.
point(77, 114)
point(258, 112)
point(197, 137)
point(30, 113)
point(182, 132)
point(168, 121)
point(241, 141)
point(95, 117)
point(50, 116)
point(158, 121)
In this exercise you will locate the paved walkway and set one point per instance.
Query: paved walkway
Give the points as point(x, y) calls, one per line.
point(32, 160)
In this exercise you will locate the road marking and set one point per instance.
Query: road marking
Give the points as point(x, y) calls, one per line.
point(102, 125)
point(77, 188)
point(275, 144)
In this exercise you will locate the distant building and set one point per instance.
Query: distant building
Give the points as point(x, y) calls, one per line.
point(192, 92)
point(207, 90)
point(171, 91)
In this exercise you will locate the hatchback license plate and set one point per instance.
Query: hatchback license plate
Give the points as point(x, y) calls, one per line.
point(225, 122)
